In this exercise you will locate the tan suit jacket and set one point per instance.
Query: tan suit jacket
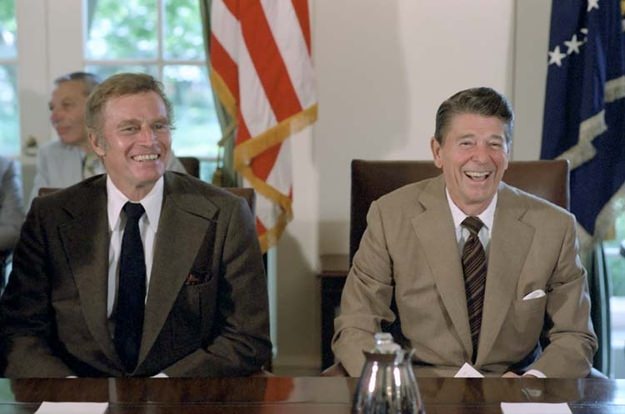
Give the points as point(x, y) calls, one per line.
point(206, 312)
point(409, 252)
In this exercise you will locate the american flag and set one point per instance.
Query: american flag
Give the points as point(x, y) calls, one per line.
point(262, 72)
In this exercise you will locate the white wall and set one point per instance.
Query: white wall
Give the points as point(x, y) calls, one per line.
point(49, 37)
point(530, 75)
point(383, 67)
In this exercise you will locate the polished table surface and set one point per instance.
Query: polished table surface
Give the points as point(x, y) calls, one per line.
point(325, 395)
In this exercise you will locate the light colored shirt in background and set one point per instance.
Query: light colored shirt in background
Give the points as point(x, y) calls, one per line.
point(60, 165)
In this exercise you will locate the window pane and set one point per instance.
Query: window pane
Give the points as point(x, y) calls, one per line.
point(8, 49)
point(183, 30)
point(207, 170)
point(122, 29)
point(9, 111)
point(197, 128)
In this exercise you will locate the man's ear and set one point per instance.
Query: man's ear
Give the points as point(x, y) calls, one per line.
point(436, 152)
point(95, 143)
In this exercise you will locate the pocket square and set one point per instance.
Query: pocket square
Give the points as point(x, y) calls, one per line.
point(538, 293)
point(192, 280)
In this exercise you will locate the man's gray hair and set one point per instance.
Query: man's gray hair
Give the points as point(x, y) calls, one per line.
point(89, 80)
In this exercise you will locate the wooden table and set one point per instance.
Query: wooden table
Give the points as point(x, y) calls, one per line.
point(303, 395)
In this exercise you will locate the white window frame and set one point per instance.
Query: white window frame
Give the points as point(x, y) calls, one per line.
point(50, 39)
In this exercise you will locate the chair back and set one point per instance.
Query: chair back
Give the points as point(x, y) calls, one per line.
point(247, 193)
point(548, 179)
point(191, 164)
point(47, 190)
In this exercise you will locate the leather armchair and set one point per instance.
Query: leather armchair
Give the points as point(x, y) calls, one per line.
point(192, 165)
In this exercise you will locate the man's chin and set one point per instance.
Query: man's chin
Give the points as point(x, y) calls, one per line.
point(149, 173)
point(478, 199)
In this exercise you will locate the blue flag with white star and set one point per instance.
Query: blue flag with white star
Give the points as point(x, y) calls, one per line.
point(584, 116)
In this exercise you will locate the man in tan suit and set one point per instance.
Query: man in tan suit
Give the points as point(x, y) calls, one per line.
point(535, 310)
point(192, 300)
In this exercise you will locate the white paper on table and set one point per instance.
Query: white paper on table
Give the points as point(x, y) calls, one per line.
point(47, 407)
point(467, 371)
point(535, 408)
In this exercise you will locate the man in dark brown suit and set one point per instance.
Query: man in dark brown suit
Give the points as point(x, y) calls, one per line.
point(204, 308)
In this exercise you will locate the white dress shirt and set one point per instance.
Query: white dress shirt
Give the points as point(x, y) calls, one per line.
point(148, 225)
point(462, 234)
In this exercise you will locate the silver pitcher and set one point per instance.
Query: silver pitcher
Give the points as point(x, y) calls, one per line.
point(387, 384)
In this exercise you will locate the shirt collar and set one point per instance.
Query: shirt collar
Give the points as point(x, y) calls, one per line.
point(487, 216)
point(152, 203)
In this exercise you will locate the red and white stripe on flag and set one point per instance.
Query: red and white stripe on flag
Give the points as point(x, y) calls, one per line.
point(261, 71)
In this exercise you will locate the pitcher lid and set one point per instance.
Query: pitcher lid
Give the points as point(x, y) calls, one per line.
point(384, 344)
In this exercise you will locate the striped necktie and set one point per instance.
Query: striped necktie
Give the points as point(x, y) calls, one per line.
point(474, 269)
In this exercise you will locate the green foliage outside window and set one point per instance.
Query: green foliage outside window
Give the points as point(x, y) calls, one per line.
point(616, 262)
point(122, 30)
point(183, 30)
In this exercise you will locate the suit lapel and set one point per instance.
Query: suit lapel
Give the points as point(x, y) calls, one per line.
point(510, 242)
point(435, 230)
point(186, 217)
point(85, 241)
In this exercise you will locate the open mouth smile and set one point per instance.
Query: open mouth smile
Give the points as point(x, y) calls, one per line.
point(477, 175)
point(146, 157)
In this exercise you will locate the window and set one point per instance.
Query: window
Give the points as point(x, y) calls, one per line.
point(163, 38)
point(9, 107)
point(616, 261)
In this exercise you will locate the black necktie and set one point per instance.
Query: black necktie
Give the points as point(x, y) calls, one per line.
point(131, 290)
point(474, 268)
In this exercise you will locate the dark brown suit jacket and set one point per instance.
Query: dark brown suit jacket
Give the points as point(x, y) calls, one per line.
point(206, 311)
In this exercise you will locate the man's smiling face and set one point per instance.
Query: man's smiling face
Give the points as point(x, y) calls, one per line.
point(134, 142)
point(473, 156)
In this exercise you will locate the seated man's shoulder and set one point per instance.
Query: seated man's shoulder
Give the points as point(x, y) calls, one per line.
point(407, 194)
point(189, 185)
point(534, 202)
point(8, 164)
point(85, 190)
point(56, 147)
